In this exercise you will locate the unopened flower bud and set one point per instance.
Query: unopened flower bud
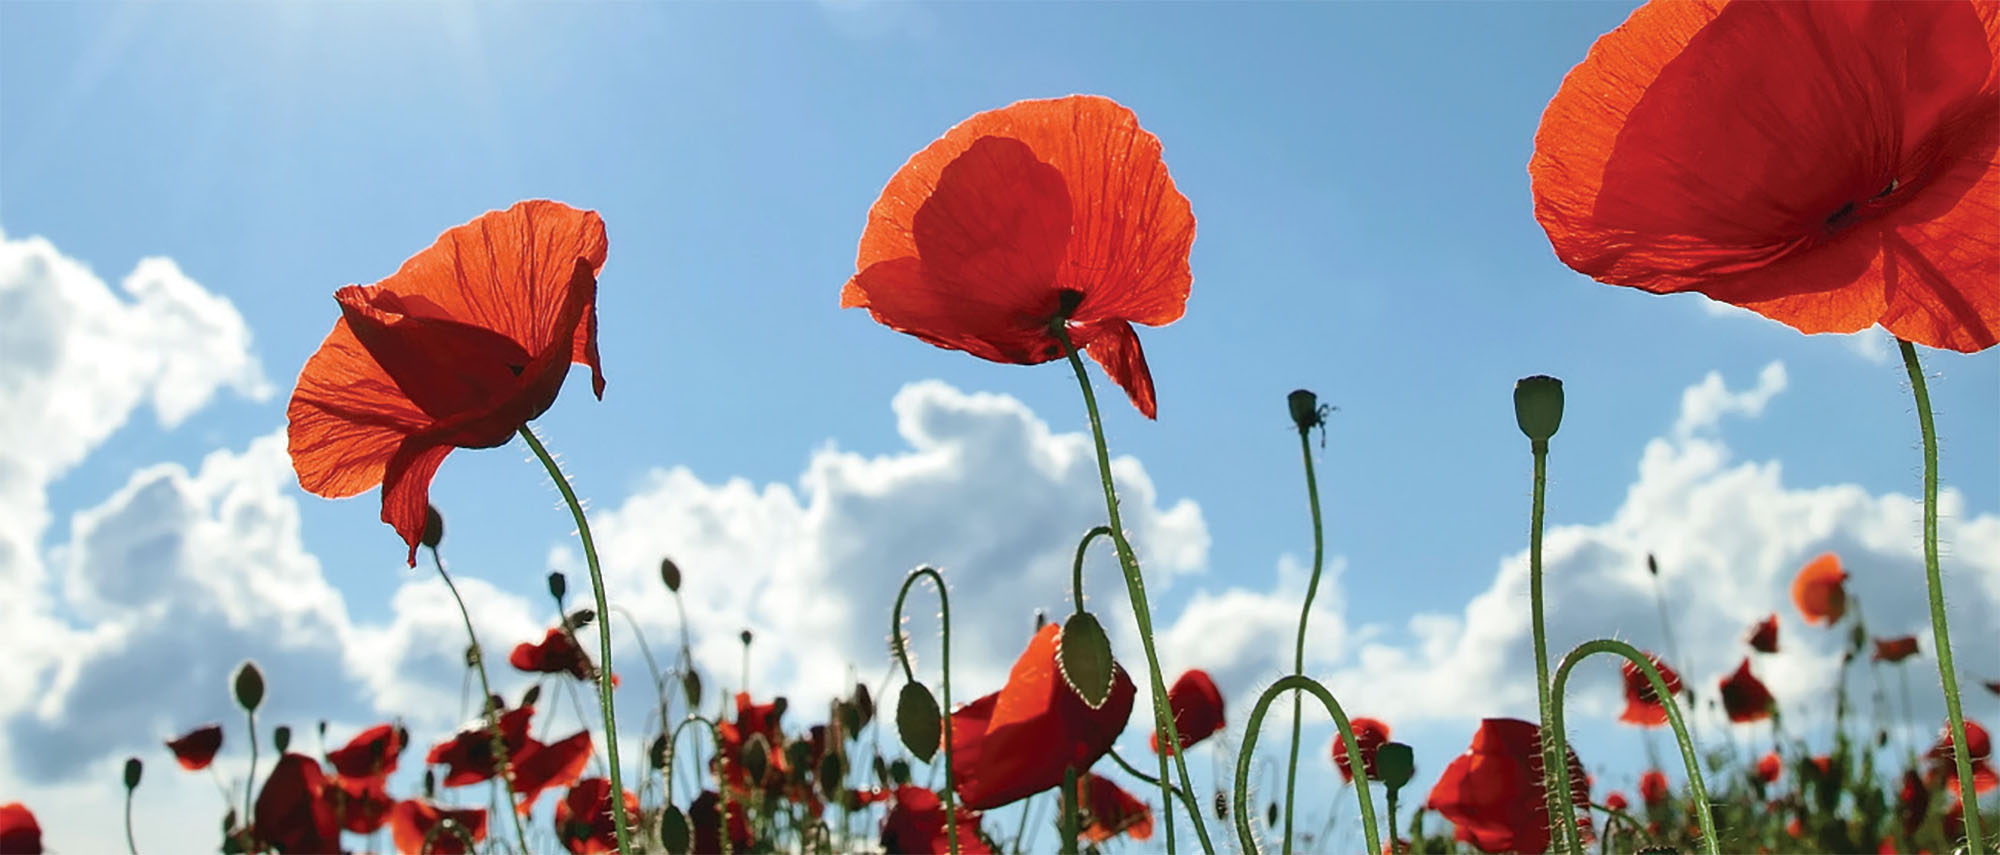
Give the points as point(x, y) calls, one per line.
point(1538, 406)
point(133, 769)
point(249, 686)
point(558, 586)
point(433, 527)
point(670, 573)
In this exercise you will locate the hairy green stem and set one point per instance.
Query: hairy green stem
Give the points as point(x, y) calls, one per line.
point(486, 706)
point(1553, 765)
point(1072, 823)
point(1187, 801)
point(1076, 570)
point(903, 656)
point(1566, 819)
point(1305, 614)
point(1298, 683)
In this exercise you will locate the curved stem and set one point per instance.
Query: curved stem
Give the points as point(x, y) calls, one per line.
point(1551, 737)
point(619, 822)
point(903, 656)
point(1076, 571)
point(674, 739)
point(1305, 613)
point(486, 706)
point(1187, 801)
point(1566, 818)
point(131, 845)
point(1940, 633)
point(1135, 586)
point(1297, 682)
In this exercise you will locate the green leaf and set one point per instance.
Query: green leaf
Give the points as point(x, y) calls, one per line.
point(918, 721)
point(1083, 655)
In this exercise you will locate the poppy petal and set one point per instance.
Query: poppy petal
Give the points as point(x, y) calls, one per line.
point(346, 419)
point(557, 764)
point(1116, 347)
point(406, 489)
point(448, 368)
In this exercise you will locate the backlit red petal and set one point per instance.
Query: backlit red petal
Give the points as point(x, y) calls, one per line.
point(1116, 347)
point(197, 748)
point(346, 418)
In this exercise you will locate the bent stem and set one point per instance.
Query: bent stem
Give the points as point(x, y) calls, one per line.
point(903, 656)
point(1305, 613)
point(492, 715)
point(1940, 633)
point(1135, 586)
point(1187, 801)
point(1298, 683)
point(1688, 756)
point(1076, 571)
point(619, 822)
point(1551, 737)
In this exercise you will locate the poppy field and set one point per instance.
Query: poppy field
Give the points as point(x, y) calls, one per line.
point(1833, 168)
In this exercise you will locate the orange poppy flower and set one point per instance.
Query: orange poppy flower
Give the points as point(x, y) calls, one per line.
point(18, 830)
point(1494, 792)
point(1018, 741)
point(1372, 734)
point(1817, 591)
point(583, 818)
point(1109, 811)
point(1021, 215)
point(459, 348)
point(1769, 767)
point(370, 755)
point(1653, 787)
point(1827, 165)
point(1895, 649)
point(414, 826)
point(1197, 708)
point(1643, 706)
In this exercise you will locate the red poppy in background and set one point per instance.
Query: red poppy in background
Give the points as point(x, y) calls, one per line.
point(370, 755)
point(915, 825)
point(1109, 811)
point(1817, 592)
point(556, 654)
point(19, 833)
point(459, 348)
point(753, 719)
point(1018, 741)
point(583, 818)
point(292, 812)
point(1197, 706)
point(468, 755)
point(705, 816)
point(1895, 649)
point(1653, 787)
point(1643, 706)
point(1913, 802)
point(1769, 767)
point(197, 749)
point(1827, 165)
point(411, 822)
point(1764, 635)
point(1018, 216)
point(1371, 735)
point(1978, 747)
point(1615, 800)
point(1494, 794)
point(539, 767)
point(1744, 696)
point(360, 806)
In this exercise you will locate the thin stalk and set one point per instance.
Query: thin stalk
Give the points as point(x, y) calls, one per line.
point(652, 664)
point(1291, 683)
point(1076, 569)
point(1566, 818)
point(491, 715)
point(1305, 614)
point(1187, 801)
point(1071, 823)
point(1551, 737)
point(619, 822)
point(902, 655)
point(131, 845)
point(1394, 838)
point(250, 784)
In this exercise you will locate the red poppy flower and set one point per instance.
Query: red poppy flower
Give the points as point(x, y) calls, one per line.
point(1744, 696)
point(371, 755)
point(539, 767)
point(752, 719)
point(916, 825)
point(459, 348)
point(197, 749)
point(556, 654)
point(1024, 214)
point(1913, 802)
point(1494, 794)
point(419, 828)
point(468, 756)
point(1371, 734)
point(1197, 706)
point(359, 805)
point(1817, 591)
point(1827, 165)
point(1895, 649)
point(1979, 747)
point(1769, 767)
point(292, 812)
point(1615, 800)
point(1653, 787)
point(1953, 821)
point(1643, 706)
point(1109, 811)
point(583, 818)
point(19, 833)
point(1764, 635)
point(705, 815)
point(1018, 741)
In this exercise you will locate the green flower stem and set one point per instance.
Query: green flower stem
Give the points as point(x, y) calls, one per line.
point(1305, 613)
point(1394, 838)
point(1072, 825)
point(131, 844)
point(491, 715)
point(1076, 571)
point(1689, 758)
point(1187, 801)
point(1135, 585)
point(674, 739)
point(1551, 737)
point(1940, 633)
point(1298, 682)
point(250, 784)
point(619, 822)
point(903, 656)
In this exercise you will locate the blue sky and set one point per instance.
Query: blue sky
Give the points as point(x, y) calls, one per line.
point(1357, 171)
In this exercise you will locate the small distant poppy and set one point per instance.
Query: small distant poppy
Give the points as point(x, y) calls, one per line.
point(1744, 697)
point(556, 654)
point(1817, 590)
point(1616, 800)
point(1653, 787)
point(370, 755)
point(915, 824)
point(1769, 767)
point(1827, 165)
point(705, 816)
point(1018, 741)
point(19, 833)
point(583, 818)
point(1643, 706)
point(468, 756)
point(196, 750)
point(359, 805)
point(1197, 707)
point(1913, 802)
point(413, 822)
point(1018, 216)
point(463, 345)
point(1895, 649)
point(292, 812)
point(1109, 811)
point(753, 719)
point(1764, 635)
point(1494, 793)
point(1370, 734)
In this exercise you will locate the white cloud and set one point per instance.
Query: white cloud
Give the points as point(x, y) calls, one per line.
point(1704, 404)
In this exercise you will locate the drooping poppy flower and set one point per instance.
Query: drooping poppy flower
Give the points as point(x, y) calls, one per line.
point(468, 756)
point(1817, 590)
point(583, 818)
point(19, 833)
point(916, 825)
point(1895, 649)
point(459, 348)
point(705, 816)
point(1109, 811)
point(1643, 706)
point(1653, 787)
point(1371, 734)
point(1018, 741)
point(1826, 165)
point(1616, 800)
point(539, 767)
point(1197, 708)
point(370, 755)
point(1744, 697)
point(1764, 635)
point(1978, 748)
point(359, 805)
point(423, 828)
point(292, 812)
point(1494, 793)
point(556, 654)
point(1769, 767)
point(1021, 215)
point(197, 749)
